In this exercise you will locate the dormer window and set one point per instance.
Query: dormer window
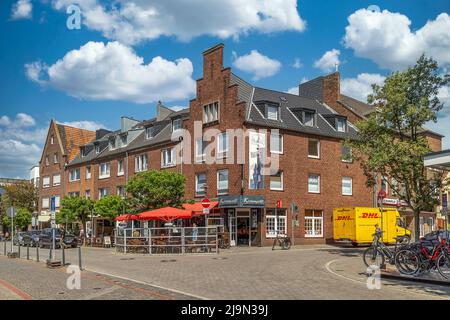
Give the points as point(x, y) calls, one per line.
point(112, 143)
point(176, 124)
point(97, 149)
point(149, 132)
point(341, 124)
point(83, 151)
point(309, 118)
point(123, 140)
point(272, 113)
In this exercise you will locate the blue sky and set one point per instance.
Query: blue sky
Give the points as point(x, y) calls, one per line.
point(110, 67)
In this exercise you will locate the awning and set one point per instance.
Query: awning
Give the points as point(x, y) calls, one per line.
point(126, 217)
point(197, 207)
point(44, 217)
point(167, 214)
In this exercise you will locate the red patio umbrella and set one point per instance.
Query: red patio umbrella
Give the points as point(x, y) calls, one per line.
point(167, 214)
point(126, 217)
point(197, 207)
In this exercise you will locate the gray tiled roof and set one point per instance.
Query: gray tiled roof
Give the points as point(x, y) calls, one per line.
point(290, 108)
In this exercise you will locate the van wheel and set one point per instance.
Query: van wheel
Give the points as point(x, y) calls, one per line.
point(354, 244)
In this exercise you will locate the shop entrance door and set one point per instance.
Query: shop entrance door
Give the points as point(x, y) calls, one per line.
point(232, 227)
point(243, 228)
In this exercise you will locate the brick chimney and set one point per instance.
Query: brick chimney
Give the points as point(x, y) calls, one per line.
point(331, 89)
point(213, 61)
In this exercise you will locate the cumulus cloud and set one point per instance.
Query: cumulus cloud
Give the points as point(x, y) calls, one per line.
point(387, 39)
point(85, 124)
point(257, 64)
point(297, 63)
point(328, 61)
point(22, 9)
point(133, 21)
point(361, 86)
point(113, 71)
point(293, 90)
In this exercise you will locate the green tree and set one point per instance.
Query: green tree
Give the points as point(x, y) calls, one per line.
point(155, 189)
point(390, 141)
point(22, 194)
point(110, 206)
point(76, 208)
point(21, 221)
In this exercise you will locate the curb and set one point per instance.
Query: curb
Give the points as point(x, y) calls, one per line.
point(389, 275)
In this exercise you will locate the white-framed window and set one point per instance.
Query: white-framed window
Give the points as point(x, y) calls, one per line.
point(276, 181)
point(272, 112)
point(149, 132)
point(57, 201)
point(384, 184)
point(83, 151)
point(87, 194)
point(314, 148)
point(200, 184)
point(56, 180)
point(45, 203)
point(47, 162)
point(73, 194)
point(313, 223)
point(308, 118)
point(211, 112)
point(52, 140)
point(314, 183)
point(88, 172)
point(276, 223)
point(121, 191)
point(168, 158)
point(222, 182)
point(45, 182)
point(140, 163)
point(177, 124)
point(102, 192)
point(347, 186)
point(123, 140)
point(200, 146)
point(346, 154)
point(55, 158)
point(222, 145)
point(120, 168)
point(97, 149)
point(74, 175)
point(104, 171)
point(112, 143)
point(431, 223)
point(341, 124)
point(276, 143)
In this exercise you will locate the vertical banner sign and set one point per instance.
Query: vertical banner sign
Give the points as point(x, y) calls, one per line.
point(257, 154)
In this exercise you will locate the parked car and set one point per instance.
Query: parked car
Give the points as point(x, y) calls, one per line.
point(31, 238)
point(432, 238)
point(18, 238)
point(46, 239)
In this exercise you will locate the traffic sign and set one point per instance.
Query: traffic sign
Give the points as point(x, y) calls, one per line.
point(53, 205)
point(206, 203)
point(382, 194)
point(279, 204)
point(205, 210)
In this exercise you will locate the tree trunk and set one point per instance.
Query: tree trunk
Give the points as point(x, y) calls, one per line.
point(416, 225)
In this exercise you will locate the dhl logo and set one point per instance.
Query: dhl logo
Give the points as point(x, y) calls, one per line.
point(372, 215)
point(340, 218)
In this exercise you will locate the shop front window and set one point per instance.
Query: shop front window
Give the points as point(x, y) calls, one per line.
point(276, 222)
point(313, 223)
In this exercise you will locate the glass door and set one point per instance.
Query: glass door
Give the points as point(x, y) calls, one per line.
point(232, 227)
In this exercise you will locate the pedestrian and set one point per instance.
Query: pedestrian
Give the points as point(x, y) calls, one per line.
point(194, 232)
point(82, 235)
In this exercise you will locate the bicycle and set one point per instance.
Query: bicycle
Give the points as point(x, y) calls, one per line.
point(283, 241)
point(377, 253)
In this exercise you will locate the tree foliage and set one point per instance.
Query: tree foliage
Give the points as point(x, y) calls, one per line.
point(155, 189)
point(110, 206)
point(391, 141)
point(21, 221)
point(76, 208)
point(21, 194)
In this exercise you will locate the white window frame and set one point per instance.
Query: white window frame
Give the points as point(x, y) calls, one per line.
point(88, 172)
point(55, 158)
point(276, 223)
point(197, 191)
point(318, 181)
point(384, 178)
point(342, 155)
point(45, 203)
point(344, 123)
point(107, 172)
point(282, 182)
point(100, 193)
point(269, 113)
point(177, 124)
point(87, 194)
point(351, 186)
point(313, 223)
point(71, 175)
point(313, 119)
point(223, 191)
point(47, 161)
point(118, 188)
point(97, 149)
point(223, 153)
point(149, 130)
point(52, 140)
point(318, 149)
point(57, 183)
point(211, 112)
point(120, 172)
point(139, 164)
point(112, 143)
point(122, 143)
point(164, 153)
point(280, 136)
point(57, 201)
point(46, 185)
point(199, 150)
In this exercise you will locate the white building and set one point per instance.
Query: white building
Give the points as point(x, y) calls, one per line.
point(34, 176)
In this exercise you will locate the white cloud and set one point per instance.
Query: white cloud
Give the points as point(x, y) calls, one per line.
point(22, 9)
point(133, 21)
point(361, 86)
point(114, 72)
point(297, 64)
point(328, 61)
point(293, 90)
point(177, 108)
point(387, 38)
point(85, 124)
point(257, 64)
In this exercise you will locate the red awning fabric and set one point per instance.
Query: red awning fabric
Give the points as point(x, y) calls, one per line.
point(197, 207)
point(167, 214)
point(126, 217)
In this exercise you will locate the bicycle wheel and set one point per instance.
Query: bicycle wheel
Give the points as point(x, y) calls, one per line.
point(407, 262)
point(373, 257)
point(443, 266)
point(286, 244)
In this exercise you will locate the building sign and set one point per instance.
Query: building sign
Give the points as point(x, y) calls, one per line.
point(242, 202)
point(391, 201)
point(257, 154)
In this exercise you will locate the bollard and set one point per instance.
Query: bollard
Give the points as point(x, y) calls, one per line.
point(37, 252)
point(63, 255)
point(19, 251)
point(79, 258)
point(50, 254)
point(28, 252)
point(4, 248)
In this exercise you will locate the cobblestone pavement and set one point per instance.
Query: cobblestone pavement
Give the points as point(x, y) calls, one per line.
point(304, 272)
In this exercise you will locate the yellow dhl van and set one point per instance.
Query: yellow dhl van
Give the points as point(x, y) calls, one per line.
point(357, 225)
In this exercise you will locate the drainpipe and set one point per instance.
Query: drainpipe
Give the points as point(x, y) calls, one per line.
point(242, 179)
